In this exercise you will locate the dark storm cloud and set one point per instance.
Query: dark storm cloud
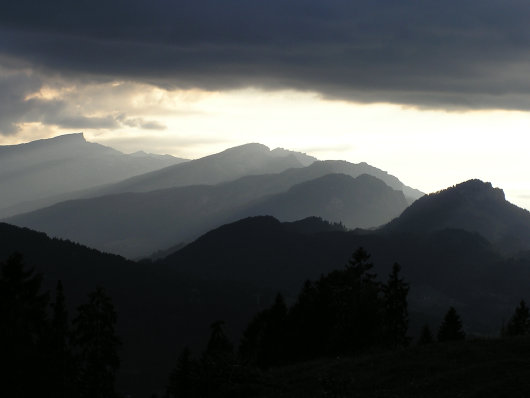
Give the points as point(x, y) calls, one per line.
point(453, 54)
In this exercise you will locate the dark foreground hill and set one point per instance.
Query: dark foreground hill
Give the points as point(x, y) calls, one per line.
point(446, 267)
point(452, 245)
point(138, 224)
point(158, 309)
point(481, 368)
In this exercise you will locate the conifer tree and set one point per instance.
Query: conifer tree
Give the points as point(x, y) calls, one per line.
point(309, 321)
point(183, 379)
point(426, 336)
point(396, 318)
point(519, 323)
point(218, 363)
point(359, 321)
point(359, 264)
point(97, 346)
point(451, 327)
point(61, 366)
point(23, 330)
point(264, 340)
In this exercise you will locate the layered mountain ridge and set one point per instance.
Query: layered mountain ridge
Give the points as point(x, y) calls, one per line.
point(174, 205)
point(138, 224)
point(236, 269)
point(39, 173)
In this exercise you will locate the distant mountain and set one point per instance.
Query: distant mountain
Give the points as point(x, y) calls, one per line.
point(41, 172)
point(474, 206)
point(138, 224)
point(318, 169)
point(231, 164)
point(361, 202)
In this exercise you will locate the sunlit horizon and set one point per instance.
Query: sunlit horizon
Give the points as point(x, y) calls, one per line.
point(425, 148)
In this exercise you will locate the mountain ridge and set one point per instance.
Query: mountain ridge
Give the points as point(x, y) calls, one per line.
point(138, 224)
point(472, 205)
point(35, 173)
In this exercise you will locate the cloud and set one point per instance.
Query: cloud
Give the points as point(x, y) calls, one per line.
point(14, 87)
point(141, 123)
point(29, 97)
point(456, 54)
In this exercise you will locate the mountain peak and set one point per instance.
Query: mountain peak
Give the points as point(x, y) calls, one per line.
point(474, 206)
point(253, 147)
point(479, 190)
point(73, 137)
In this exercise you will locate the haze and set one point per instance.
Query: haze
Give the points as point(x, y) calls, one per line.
point(436, 94)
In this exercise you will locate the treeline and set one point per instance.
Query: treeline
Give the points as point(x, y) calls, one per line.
point(42, 353)
point(345, 312)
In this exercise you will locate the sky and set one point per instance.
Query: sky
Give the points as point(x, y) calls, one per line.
point(433, 92)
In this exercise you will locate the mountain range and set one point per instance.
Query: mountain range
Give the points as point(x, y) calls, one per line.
point(236, 269)
point(42, 172)
point(447, 257)
point(176, 204)
point(232, 221)
point(137, 224)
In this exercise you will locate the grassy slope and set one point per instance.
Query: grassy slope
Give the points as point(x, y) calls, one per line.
point(481, 368)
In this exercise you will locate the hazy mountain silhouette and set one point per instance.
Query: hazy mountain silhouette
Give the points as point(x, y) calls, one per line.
point(228, 165)
point(40, 172)
point(473, 206)
point(251, 160)
point(360, 202)
point(138, 224)
point(321, 168)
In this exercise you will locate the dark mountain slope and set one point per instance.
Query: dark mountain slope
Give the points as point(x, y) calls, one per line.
point(39, 171)
point(473, 206)
point(446, 267)
point(159, 310)
point(138, 224)
point(489, 368)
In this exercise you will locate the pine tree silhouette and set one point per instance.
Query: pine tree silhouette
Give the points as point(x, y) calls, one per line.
point(184, 378)
point(62, 366)
point(218, 363)
point(97, 346)
point(519, 323)
point(396, 319)
point(426, 336)
point(24, 329)
point(264, 340)
point(451, 327)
